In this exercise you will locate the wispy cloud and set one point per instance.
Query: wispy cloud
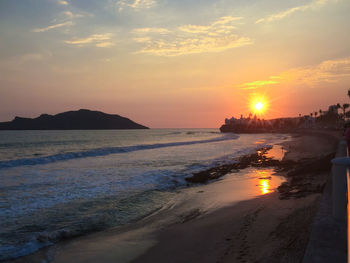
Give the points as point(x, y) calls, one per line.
point(71, 15)
point(62, 2)
point(44, 29)
point(281, 15)
point(64, 19)
point(104, 44)
point(144, 30)
point(258, 83)
point(98, 40)
point(329, 71)
point(188, 39)
point(135, 4)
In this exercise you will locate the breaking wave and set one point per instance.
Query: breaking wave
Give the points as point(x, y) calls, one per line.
point(106, 151)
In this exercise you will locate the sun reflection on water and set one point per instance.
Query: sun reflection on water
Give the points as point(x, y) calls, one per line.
point(264, 181)
point(264, 185)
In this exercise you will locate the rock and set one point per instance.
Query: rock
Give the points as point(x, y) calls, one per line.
point(256, 159)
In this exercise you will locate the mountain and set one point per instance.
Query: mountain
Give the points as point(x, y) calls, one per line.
point(72, 120)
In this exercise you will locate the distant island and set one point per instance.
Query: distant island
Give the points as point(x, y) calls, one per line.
point(72, 120)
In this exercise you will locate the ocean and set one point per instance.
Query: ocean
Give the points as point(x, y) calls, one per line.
point(61, 184)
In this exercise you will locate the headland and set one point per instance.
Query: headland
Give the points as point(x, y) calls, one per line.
point(72, 120)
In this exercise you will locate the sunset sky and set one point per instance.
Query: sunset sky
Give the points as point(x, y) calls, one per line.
point(173, 63)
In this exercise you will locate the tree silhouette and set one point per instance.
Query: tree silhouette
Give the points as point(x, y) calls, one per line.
point(338, 106)
point(349, 93)
point(344, 107)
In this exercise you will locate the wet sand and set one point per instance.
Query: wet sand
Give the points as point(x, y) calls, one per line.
point(207, 224)
point(265, 229)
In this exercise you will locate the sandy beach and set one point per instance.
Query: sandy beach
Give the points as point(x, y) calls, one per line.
point(265, 229)
point(205, 225)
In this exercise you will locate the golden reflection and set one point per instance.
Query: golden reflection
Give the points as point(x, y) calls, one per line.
point(264, 185)
point(264, 181)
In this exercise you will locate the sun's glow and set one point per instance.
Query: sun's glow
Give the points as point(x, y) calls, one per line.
point(258, 104)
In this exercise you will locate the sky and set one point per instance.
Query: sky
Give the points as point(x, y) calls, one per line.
point(173, 63)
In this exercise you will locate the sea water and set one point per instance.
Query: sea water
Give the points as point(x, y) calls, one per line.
point(61, 184)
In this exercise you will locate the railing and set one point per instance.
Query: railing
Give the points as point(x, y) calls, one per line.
point(341, 188)
point(348, 209)
point(348, 202)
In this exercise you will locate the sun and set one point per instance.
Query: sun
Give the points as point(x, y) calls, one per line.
point(258, 104)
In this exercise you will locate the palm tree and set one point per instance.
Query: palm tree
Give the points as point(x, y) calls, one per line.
point(338, 107)
point(344, 107)
point(320, 111)
point(311, 114)
point(316, 113)
point(349, 93)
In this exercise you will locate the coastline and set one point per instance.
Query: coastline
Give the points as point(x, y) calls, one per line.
point(266, 227)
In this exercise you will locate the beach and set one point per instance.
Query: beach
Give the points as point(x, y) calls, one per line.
point(208, 224)
point(151, 131)
point(265, 229)
point(64, 185)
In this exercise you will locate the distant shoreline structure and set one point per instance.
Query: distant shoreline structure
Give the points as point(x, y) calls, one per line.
point(82, 119)
point(252, 124)
point(256, 125)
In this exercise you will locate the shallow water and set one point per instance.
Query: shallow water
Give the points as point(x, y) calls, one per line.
point(59, 184)
point(125, 244)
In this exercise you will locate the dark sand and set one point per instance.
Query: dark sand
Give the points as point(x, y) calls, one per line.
point(268, 228)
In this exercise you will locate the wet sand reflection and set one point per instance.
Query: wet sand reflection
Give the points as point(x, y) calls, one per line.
point(264, 180)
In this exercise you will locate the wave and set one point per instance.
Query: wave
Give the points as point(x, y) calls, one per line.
point(76, 219)
point(105, 151)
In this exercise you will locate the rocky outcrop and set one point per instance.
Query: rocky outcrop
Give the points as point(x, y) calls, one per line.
point(257, 159)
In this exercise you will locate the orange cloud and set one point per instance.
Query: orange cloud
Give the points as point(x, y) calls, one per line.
point(99, 40)
point(328, 71)
point(278, 16)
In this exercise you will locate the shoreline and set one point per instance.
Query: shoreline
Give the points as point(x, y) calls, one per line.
point(266, 229)
point(148, 239)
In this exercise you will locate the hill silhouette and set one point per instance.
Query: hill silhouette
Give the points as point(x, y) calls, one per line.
point(72, 120)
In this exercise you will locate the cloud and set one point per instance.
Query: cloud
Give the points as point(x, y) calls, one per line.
point(64, 19)
point(143, 30)
point(135, 4)
point(104, 44)
point(99, 40)
point(64, 24)
point(278, 16)
point(258, 83)
point(71, 15)
point(188, 39)
point(329, 71)
point(62, 2)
